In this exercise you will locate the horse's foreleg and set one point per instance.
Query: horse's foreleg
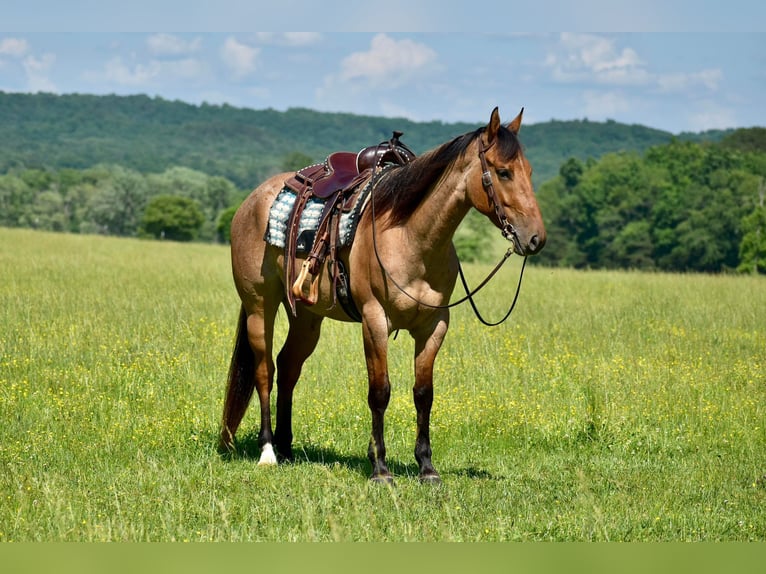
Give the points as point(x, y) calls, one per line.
point(426, 348)
point(378, 395)
point(302, 339)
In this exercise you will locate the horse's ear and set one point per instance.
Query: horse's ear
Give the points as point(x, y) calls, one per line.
point(493, 126)
point(515, 125)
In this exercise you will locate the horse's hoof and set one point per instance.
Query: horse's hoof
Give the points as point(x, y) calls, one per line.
point(268, 458)
point(430, 478)
point(386, 479)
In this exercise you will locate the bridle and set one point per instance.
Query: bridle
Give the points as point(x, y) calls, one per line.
point(507, 229)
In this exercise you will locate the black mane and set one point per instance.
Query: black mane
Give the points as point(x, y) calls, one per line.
point(400, 190)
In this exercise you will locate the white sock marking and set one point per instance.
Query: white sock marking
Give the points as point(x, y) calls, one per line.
point(268, 458)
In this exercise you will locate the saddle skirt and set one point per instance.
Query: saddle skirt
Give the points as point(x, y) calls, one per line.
point(276, 232)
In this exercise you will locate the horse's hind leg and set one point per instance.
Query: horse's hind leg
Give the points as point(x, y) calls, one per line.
point(252, 367)
point(302, 339)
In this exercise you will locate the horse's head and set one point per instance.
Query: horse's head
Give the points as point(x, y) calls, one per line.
point(502, 187)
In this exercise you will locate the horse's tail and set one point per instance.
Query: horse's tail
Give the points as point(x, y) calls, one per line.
point(241, 382)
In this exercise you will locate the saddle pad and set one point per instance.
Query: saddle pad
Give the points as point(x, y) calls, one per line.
point(280, 213)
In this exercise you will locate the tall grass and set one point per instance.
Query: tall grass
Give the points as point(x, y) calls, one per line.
point(612, 406)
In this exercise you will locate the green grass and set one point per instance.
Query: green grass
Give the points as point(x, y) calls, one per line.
point(612, 406)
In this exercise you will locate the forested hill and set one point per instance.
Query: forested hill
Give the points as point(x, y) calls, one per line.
point(613, 195)
point(150, 135)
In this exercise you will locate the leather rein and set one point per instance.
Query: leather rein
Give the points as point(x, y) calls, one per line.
point(507, 229)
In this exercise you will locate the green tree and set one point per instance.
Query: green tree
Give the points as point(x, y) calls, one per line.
point(172, 217)
point(223, 228)
point(571, 171)
point(47, 212)
point(677, 207)
point(752, 249)
point(213, 193)
point(181, 181)
point(746, 139)
point(37, 179)
point(632, 247)
point(15, 198)
point(219, 194)
point(560, 208)
point(120, 198)
point(295, 160)
point(474, 237)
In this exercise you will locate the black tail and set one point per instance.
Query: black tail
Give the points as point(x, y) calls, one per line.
point(241, 382)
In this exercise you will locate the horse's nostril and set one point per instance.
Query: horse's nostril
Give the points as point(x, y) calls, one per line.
point(534, 242)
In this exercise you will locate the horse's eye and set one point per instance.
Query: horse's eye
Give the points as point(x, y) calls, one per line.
point(504, 174)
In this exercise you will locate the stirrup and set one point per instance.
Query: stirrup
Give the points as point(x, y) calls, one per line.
point(297, 288)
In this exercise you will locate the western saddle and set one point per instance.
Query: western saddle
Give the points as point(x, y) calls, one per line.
point(338, 183)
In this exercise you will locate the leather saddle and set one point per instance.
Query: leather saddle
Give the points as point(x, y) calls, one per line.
point(338, 182)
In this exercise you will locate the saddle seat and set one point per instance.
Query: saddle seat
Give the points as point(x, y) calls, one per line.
point(341, 168)
point(337, 181)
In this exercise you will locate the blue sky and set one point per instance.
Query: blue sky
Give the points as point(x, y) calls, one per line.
point(682, 68)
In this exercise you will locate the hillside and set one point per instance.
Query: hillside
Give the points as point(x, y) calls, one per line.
point(152, 134)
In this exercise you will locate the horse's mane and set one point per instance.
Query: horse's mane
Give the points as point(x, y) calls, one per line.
point(402, 188)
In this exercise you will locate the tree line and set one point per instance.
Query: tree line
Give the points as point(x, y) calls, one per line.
point(681, 206)
point(179, 203)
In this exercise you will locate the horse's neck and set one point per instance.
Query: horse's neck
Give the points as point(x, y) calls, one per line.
point(435, 220)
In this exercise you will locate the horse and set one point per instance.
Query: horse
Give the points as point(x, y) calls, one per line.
point(402, 268)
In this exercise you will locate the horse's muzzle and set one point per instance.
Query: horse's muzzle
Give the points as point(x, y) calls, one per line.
point(530, 245)
point(536, 243)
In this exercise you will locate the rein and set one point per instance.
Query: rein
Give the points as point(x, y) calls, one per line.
point(508, 231)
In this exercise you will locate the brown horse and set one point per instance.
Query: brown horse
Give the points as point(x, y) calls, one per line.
point(402, 267)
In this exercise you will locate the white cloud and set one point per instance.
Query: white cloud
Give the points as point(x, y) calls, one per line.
point(240, 58)
point(603, 105)
point(709, 79)
point(13, 47)
point(36, 68)
point(596, 59)
point(388, 62)
point(37, 72)
point(580, 57)
point(143, 74)
point(167, 65)
point(169, 45)
point(139, 74)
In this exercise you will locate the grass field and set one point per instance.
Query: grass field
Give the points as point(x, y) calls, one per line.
point(612, 406)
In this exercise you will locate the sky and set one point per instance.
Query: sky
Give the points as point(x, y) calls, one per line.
point(683, 66)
